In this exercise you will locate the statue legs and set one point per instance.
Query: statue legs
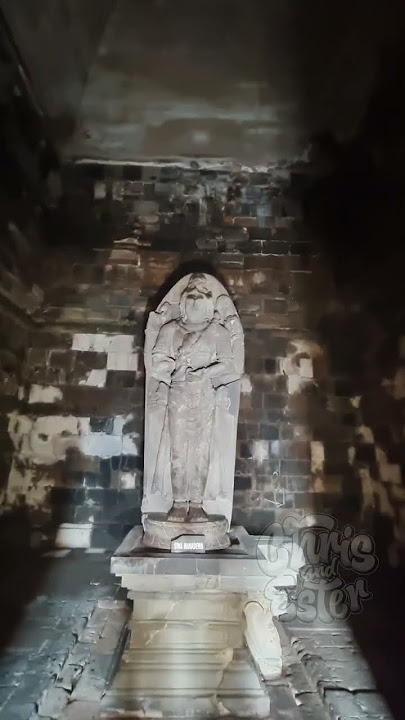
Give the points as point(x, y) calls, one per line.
point(191, 418)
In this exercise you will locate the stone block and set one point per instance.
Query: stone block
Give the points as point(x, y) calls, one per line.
point(120, 379)
point(317, 457)
point(74, 535)
point(243, 482)
point(105, 425)
point(120, 344)
point(373, 704)
point(296, 450)
point(227, 259)
point(36, 356)
point(90, 342)
point(305, 368)
point(269, 432)
point(130, 445)
point(296, 384)
point(42, 449)
point(390, 473)
point(263, 639)
point(297, 483)
point(99, 402)
point(82, 710)
point(122, 361)
point(127, 480)
point(100, 190)
point(53, 702)
point(123, 275)
point(62, 359)
point(88, 274)
point(364, 434)
point(44, 394)
point(146, 207)
point(20, 484)
point(171, 606)
point(89, 360)
point(194, 634)
point(101, 445)
point(259, 450)
point(95, 378)
point(124, 255)
point(57, 425)
point(295, 467)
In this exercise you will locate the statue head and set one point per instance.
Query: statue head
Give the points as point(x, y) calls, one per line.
point(196, 301)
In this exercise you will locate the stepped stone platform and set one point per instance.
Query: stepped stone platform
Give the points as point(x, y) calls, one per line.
point(202, 638)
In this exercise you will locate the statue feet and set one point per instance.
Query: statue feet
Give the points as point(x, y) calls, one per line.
point(196, 513)
point(183, 512)
point(178, 512)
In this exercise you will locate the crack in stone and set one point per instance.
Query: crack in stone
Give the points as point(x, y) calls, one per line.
point(154, 633)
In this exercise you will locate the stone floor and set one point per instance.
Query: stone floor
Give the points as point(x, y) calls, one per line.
point(325, 676)
point(71, 584)
point(59, 648)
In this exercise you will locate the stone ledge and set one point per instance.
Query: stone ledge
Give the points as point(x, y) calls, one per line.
point(256, 563)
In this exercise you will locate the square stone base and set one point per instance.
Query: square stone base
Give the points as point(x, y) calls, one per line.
point(202, 638)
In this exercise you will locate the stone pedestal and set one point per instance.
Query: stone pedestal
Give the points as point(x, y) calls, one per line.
point(202, 638)
point(159, 533)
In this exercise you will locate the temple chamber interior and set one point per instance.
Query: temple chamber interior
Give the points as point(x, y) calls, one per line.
point(202, 359)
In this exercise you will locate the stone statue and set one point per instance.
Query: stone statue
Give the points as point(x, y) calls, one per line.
point(194, 358)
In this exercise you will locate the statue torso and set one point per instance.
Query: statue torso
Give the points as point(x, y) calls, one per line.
point(196, 347)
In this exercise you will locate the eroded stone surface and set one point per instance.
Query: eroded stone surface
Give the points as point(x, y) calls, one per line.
point(194, 361)
point(191, 653)
point(160, 534)
point(191, 622)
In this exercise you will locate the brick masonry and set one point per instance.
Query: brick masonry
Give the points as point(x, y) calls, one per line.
point(319, 429)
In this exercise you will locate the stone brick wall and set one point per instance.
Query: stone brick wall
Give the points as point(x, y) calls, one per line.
point(19, 299)
point(309, 439)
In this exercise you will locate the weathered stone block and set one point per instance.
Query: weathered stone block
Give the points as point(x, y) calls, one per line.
point(88, 274)
point(127, 361)
point(90, 342)
point(44, 394)
point(95, 378)
point(62, 359)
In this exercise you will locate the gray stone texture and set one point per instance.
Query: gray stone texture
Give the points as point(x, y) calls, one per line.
point(52, 650)
point(194, 358)
point(201, 631)
point(72, 633)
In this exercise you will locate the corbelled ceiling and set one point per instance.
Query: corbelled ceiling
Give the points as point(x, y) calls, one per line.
point(209, 78)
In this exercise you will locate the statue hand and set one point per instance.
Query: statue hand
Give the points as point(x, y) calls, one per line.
point(180, 372)
point(198, 373)
point(160, 395)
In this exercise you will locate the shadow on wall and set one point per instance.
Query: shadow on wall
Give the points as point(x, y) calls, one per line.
point(355, 210)
point(24, 569)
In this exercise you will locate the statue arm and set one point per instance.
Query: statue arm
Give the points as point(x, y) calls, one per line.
point(163, 362)
point(224, 364)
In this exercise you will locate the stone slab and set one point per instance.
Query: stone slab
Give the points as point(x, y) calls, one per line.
point(187, 606)
point(251, 563)
point(133, 543)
